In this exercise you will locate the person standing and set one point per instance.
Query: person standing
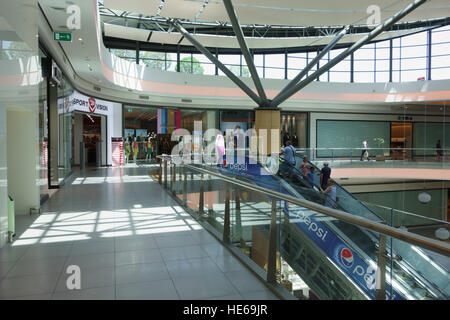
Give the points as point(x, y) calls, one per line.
point(330, 194)
point(304, 166)
point(295, 140)
point(364, 150)
point(286, 138)
point(439, 149)
point(289, 159)
point(311, 177)
point(325, 174)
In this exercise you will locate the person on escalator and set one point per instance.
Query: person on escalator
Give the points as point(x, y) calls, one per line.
point(325, 174)
point(289, 159)
point(311, 177)
point(330, 194)
point(304, 166)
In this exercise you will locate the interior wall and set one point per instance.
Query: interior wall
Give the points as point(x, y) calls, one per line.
point(21, 159)
point(3, 178)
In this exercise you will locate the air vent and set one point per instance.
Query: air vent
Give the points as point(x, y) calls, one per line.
point(96, 88)
point(144, 97)
point(186, 100)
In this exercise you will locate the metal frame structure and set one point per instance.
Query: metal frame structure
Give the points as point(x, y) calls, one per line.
point(295, 85)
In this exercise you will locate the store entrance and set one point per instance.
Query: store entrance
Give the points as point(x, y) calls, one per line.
point(90, 129)
point(401, 140)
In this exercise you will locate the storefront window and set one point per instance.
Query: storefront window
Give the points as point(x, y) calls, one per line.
point(43, 137)
point(64, 90)
point(296, 125)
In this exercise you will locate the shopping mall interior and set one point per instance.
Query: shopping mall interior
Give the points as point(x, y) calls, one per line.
point(225, 150)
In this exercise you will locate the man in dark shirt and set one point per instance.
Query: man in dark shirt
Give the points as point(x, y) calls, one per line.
point(295, 140)
point(286, 137)
point(325, 174)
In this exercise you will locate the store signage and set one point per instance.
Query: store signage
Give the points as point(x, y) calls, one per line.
point(79, 102)
point(92, 105)
point(62, 36)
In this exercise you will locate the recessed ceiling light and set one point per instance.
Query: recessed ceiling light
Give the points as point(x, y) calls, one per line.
point(80, 39)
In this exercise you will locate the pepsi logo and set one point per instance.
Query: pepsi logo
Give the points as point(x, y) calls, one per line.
point(346, 257)
point(92, 105)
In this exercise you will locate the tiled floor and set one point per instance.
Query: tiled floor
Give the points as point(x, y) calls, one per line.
point(130, 241)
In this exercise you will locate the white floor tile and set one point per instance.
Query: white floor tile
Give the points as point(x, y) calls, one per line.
point(184, 252)
point(37, 267)
point(192, 267)
point(245, 281)
point(103, 293)
point(90, 278)
point(154, 290)
point(175, 241)
point(92, 247)
point(100, 260)
point(135, 243)
point(228, 263)
point(141, 273)
point(203, 287)
point(259, 295)
point(139, 256)
point(8, 253)
point(27, 285)
point(46, 252)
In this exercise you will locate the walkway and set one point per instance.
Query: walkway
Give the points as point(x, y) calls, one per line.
point(130, 240)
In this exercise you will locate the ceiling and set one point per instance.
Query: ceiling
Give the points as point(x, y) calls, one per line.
point(266, 24)
point(282, 12)
point(84, 56)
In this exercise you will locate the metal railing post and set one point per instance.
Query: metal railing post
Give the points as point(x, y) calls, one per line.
point(174, 178)
point(272, 254)
point(380, 281)
point(160, 172)
point(237, 235)
point(165, 173)
point(185, 187)
point(201, 202)
point(226, 219)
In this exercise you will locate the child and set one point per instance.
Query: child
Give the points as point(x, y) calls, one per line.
point(311, 176)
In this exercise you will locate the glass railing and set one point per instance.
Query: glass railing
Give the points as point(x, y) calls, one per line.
point(364, 240)
point(306, 247)
point(378, 156)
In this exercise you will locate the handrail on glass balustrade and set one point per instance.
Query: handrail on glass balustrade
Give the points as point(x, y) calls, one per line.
point(421, 241)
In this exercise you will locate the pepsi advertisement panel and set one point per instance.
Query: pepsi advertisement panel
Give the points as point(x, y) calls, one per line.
point(344, 257)
point(349, 262)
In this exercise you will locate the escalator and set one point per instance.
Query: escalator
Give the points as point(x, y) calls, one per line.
point(336, 259)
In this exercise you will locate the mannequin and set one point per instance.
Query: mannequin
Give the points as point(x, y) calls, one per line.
point(135, 149)
point(127, 151)
point(220, 148)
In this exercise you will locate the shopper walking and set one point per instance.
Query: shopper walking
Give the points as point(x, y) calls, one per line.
point(364, 150)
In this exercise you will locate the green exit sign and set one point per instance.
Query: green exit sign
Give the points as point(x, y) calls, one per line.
point(62, 36)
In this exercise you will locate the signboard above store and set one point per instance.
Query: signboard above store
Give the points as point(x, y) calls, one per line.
point(79, 102)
